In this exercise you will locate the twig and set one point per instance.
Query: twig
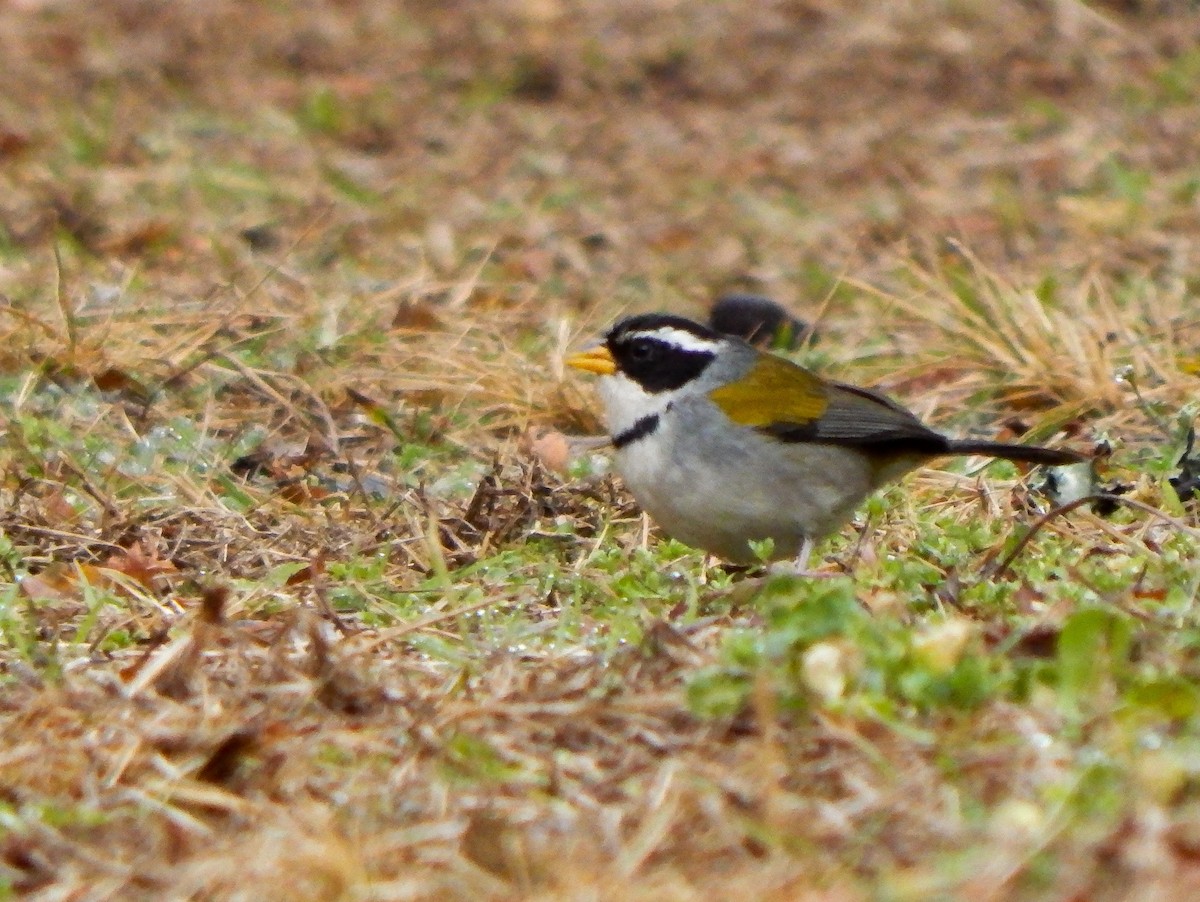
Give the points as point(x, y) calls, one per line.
point(68, 314)
point(1003, 567)
point(396, 632)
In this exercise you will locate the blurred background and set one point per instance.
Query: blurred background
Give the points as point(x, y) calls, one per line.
point(296, 605)
point(591, 155)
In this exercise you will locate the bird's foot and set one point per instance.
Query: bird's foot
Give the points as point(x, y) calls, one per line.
point(793, 568)
point(799, 565)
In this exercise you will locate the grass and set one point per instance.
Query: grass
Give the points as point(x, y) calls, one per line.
point(294, 602)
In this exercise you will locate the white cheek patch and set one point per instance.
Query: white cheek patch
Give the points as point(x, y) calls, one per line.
point(685, 341)
point(626, 402)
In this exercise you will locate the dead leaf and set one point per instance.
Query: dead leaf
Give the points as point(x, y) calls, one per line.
point(300, 492)
point(65, 581)
point(115, 379)
point(52, 584)
point(146, 236)
point(224, 760)
point(416, 314)
point(13, 144)
point(212, 604)
point(141, 565)
point(56, 509)
point(673, 238)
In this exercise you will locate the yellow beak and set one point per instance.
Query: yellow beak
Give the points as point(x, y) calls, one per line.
point(595, 360)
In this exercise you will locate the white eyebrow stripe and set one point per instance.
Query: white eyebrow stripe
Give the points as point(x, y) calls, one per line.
point(683, 340)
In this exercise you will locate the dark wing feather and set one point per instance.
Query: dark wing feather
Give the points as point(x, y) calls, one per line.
point(860, 418)
point(781, 399)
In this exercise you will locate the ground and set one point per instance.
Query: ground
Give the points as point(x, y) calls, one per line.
point(301, 599)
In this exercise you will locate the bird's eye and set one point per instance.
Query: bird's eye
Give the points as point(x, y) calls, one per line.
point(643, 351)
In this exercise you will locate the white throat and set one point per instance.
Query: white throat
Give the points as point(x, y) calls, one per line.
point(626, 402)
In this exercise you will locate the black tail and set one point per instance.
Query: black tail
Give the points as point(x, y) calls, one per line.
point(1033, 454)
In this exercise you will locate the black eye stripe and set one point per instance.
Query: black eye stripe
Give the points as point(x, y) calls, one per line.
point(657, 364)
point(642, 349)
point(661, 352)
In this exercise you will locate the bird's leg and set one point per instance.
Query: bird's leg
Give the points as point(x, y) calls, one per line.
point(806, 549)
point(798, 566)
point(748, 588)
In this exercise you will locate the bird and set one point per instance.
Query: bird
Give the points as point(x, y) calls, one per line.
point(725, 445)
point(761, 321)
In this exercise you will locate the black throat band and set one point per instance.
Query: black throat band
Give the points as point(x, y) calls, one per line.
point(640, 429)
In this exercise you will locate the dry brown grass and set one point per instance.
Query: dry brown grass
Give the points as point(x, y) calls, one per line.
point(330, 230)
